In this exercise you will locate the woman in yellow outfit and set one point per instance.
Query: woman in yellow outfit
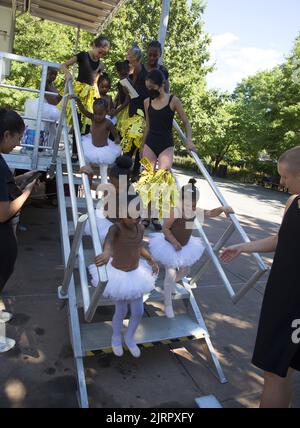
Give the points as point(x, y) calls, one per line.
point(158, 189)
point(85, 87)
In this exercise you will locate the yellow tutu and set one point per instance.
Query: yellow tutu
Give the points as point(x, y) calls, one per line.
point(132, 131)
point(122, 117)
point(158, 188)
point(87, 95)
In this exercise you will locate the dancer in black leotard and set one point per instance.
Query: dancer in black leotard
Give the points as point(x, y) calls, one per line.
point(158, 146)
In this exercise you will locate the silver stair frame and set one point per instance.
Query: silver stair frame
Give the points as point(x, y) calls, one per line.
point(30, 160)
point(234, 226)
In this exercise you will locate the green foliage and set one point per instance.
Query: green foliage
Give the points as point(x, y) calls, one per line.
point(263, 113)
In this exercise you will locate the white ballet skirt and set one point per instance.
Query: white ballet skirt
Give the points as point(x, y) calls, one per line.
point(100, 155)
point(164, 252)
point(103, 225)
point(126, 285)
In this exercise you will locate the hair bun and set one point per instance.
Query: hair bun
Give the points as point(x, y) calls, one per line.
point(124, 162)
point(193, 181)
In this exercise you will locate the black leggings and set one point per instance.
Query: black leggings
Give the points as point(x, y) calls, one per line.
point(8, 253)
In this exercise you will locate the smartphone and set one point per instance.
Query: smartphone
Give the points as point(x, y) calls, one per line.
point(28, 180)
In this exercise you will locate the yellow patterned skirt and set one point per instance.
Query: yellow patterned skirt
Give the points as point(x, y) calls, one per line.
point(132, 131)
point(87, 95)
point(122, 117)
point(157, 188)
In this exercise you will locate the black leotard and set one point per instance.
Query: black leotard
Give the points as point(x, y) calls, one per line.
point(160, 135)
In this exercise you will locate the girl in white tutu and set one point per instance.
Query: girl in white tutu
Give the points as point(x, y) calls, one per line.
point(129, 278)
point(119, 177)
point(176, 248)
point(97, 147)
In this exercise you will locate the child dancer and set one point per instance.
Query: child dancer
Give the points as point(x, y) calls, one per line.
point(104, 86)
point(129, 278)
point(119, 177)
point(122, 99)
point(97, 146)
point(176, 248)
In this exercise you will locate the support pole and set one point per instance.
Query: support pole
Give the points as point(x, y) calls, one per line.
point(73, 254)
point(163, 28)
point(76, 48)
point(39, 118)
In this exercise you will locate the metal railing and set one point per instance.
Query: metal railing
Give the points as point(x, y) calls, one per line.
point(235, 226)
point(41, 91)
point(90, 303)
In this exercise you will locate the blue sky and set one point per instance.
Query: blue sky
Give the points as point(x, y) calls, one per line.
point(249, 35)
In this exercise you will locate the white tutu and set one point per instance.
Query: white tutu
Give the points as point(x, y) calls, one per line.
point(126, 285)
point(100, 155)
point(164, 252)
point(103, 225)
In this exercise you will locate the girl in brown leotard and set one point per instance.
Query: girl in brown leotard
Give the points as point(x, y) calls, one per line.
point(176, 248)
point(129, 278)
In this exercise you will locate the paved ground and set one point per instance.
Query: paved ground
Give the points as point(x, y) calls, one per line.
point(39, 372)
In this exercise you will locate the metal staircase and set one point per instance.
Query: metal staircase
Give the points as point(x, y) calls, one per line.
point(87, 335)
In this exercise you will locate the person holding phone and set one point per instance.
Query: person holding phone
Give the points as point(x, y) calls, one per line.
point(11, 197)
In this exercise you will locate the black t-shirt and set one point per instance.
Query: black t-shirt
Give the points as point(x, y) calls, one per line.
point(8, 188)
point(88, 70)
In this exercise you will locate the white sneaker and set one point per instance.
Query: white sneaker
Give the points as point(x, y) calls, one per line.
point(169, 311)
point(134, 350)
point(118, 350)
point(6, 344)
point(5, 316)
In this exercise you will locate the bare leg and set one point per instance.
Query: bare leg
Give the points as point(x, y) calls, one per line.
point(150, 155)
point(165, 159)
point(277, 391)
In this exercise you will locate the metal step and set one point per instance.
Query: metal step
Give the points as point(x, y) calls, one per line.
point(78, 180)
point(208, 402)
point(17, 160)
point(155, 296)
point(81, 203)
point(97, 336)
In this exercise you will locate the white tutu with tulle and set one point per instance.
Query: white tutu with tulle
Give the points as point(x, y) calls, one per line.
point(164, 252)
point(126, 285)
point(100, 155)
point(103, 225)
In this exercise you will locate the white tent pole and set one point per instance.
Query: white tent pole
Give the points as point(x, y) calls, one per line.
point(163, 28)
point(76, 48)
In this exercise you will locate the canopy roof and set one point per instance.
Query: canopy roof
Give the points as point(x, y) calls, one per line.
point(89, 15)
